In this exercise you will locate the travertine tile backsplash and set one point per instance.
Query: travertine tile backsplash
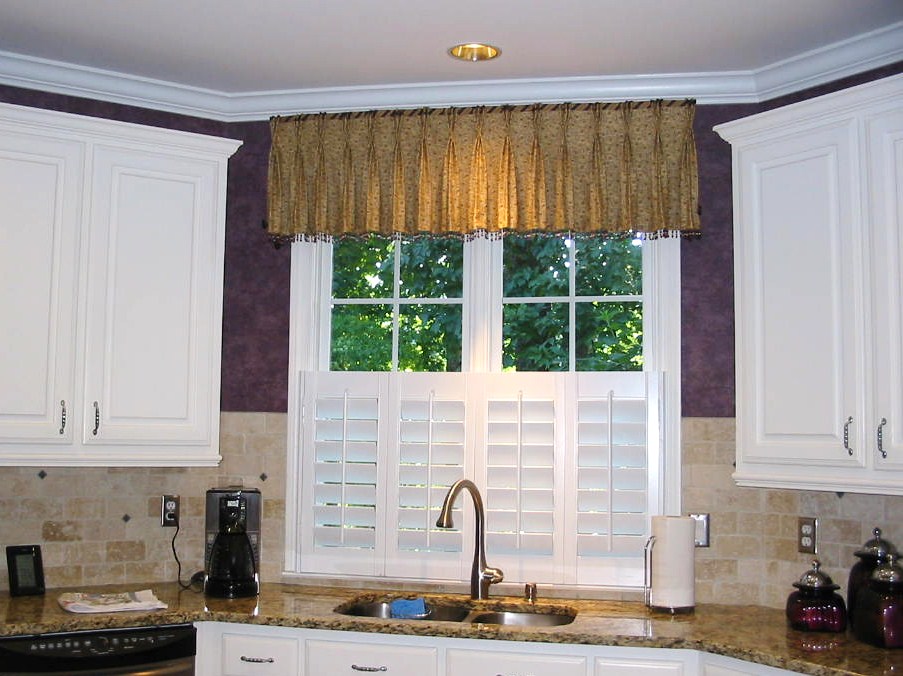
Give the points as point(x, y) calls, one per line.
point(100, 526)
point(753, 557)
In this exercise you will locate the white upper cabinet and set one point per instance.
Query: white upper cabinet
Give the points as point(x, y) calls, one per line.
point(112, 254)
point(40, 218)
point(818, 199)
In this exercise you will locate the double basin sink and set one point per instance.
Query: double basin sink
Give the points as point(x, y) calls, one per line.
point(463, 611)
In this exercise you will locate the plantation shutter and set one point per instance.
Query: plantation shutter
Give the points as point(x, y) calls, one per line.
point(524, 457)
point(568, 466)
point(617, 473)
point(429, 412)
point(343, 414)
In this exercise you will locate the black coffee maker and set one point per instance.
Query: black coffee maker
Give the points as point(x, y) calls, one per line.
point(231, 565)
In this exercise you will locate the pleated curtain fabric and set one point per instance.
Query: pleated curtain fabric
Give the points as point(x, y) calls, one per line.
point(584, 168)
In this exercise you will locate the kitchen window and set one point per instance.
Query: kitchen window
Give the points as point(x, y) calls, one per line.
point(571, 433)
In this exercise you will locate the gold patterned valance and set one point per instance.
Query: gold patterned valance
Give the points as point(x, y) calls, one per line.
point(599, 167)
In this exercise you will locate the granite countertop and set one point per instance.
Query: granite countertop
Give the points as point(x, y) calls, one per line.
point(749, 633)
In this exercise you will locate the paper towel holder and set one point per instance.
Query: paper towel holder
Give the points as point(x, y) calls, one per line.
point(648, 582)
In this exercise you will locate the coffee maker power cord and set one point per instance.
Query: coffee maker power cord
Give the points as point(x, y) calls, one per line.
point(191, 584)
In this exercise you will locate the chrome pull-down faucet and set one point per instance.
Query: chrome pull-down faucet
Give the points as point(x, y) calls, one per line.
point(481, 575)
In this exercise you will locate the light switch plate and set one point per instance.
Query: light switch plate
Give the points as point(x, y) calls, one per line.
point(702, 529)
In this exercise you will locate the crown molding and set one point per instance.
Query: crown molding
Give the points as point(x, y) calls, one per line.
point(849, 57)
point(841, 59)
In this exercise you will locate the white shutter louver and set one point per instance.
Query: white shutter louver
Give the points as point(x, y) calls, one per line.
point(613, 464)
point(345, 471)
point(520, 474)
point(431, 457)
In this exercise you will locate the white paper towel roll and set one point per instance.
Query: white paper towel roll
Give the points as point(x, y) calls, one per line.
point(672, 565)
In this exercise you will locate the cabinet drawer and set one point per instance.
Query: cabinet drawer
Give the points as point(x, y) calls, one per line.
point(337, 658)
point(257, 655)
point(606, 666)
point(493, 663)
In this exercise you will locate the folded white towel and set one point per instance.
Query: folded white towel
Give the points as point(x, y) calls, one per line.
point(78, 602)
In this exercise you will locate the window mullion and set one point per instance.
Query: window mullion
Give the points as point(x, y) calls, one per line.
point(396, 306)
point(572, 306)
point(482, 321)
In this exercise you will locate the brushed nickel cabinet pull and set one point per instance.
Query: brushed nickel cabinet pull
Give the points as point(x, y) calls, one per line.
point(257, 660)
point(357, 667)
point(881, 437)
point(62, 416)
point(96, 418)
point(846, 435)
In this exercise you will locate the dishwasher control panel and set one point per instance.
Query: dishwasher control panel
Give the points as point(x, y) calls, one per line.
point(90, 649)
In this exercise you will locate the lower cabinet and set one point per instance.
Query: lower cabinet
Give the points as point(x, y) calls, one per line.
point(718, 665)
point(226, 649)
point(242, 650)
point(630, 666)
point(504, 663)
point(356, 657)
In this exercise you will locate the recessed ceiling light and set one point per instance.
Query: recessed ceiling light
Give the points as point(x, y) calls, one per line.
point(474, 51)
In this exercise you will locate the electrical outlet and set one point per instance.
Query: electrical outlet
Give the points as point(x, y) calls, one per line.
point(169, 511)
point(807, 535)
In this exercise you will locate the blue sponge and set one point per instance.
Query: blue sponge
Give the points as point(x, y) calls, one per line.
point(408, 608)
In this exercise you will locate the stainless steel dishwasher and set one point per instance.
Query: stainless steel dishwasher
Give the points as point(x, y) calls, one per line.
point(149, 651)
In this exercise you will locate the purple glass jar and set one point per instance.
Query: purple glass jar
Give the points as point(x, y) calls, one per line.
point(816, 605)
point(879, 610)
point(872, 554)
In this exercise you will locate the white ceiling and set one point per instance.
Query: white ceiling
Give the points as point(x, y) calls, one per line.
point(246, 59)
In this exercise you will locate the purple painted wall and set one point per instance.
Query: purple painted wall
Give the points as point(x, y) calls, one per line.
point(256, 303)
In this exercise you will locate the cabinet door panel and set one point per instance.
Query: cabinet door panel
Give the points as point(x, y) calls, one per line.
point(885, 136)
point(499, 663)
point(150, 313)
point(353, 659)
point(798, 345)
point(40, 210)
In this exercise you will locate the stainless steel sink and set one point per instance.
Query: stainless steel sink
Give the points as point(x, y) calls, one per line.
point(522, 619)
point(464, 612)
point(383, 609)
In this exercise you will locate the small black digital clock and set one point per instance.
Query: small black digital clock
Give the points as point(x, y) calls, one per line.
point(26, 570)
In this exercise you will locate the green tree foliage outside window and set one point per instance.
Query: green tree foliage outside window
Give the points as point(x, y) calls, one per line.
point(429, 334)
point(604, 290)
point(608, 334)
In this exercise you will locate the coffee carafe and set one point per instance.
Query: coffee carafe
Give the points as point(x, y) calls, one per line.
point(231, 566)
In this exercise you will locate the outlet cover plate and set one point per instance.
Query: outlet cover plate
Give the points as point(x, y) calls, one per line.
point(807, 535)
point(169, 511)
point(702, 529)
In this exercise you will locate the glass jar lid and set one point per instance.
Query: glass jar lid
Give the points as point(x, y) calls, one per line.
point(877, 547)
point(815, 579)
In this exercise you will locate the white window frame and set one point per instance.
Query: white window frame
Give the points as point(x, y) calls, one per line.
point(309, 338)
